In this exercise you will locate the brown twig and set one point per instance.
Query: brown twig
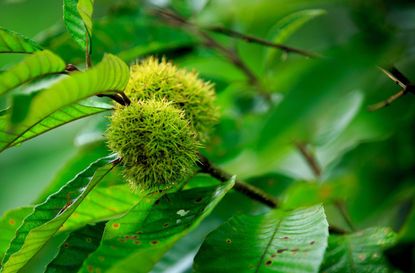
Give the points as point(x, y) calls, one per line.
point(395, 75)
point(310, 159)
point(176, 20)
point(256, 40)
point(251, 191)
point(117, 97)
point(340, 205)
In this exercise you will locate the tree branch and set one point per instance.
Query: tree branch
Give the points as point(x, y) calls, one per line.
point(176, 20)
point(256, 40)
point(251, 191)
point(395, 75)
point(309, 158)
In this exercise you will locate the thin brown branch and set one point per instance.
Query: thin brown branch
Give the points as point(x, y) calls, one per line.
point(116, 97)
point(341, 207)
point(256, 40)
point(71, 68)
point(309, 158)
point(176, 20)
point(336, 230)
point(387, 102)
point(400, 79)
point(249, 190)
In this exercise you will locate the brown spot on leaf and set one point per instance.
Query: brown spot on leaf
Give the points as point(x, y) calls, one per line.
point(285, 238)
point(121, 240)
point(88, 240)
point(155, 242)
point(312, 242)
point(228, 241)
point(90, 268)
point(66, 245)
point(198, 200)
point(165, 225)
point(139, 232)
point(294, 250)
point(116, 226)
point(279, 251)
point(268, 263)
point(137, 242)
point(12, 221)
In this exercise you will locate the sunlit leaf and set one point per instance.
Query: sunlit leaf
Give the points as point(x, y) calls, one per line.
point(103, 203)
point(77, 17)
point(76, 249)
point(278, 241)
point(136, 241)
point(39, 64)
point(39, 227)
point(13, 42)
point(358, 252)
point(9, 223)
point(57, 105)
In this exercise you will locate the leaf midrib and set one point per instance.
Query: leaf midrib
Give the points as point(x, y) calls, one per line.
point(278, 225)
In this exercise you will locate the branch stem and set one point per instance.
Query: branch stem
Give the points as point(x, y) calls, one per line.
point(249, 190)
point(309, 158)
point(256, 40)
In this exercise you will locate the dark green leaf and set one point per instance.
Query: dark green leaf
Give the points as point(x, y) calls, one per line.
point(12, 42)
point(359, 252)
point(76, 249)
point(33, 66)
point(77, 17)
point(57, 105)
point(278, 241)
point(39, 227)
point(136, 241)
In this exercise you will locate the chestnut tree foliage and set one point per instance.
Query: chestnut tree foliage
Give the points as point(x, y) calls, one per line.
point(211, 136)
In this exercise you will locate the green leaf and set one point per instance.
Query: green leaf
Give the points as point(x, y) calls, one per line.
point(278, 241)
point(286, 27)
point(13, 42)
point(135, 242)
point(39, 227)
point(77, 15)
point(103, 204)
point(81, 159)
point(129, 36)
point(76, 249)
point(358, 252)
point(57, 105)
point(9, 223)
point(58, 118)
point(39, 64)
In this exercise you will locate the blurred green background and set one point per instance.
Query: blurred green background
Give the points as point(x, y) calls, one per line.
point(367, 158)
